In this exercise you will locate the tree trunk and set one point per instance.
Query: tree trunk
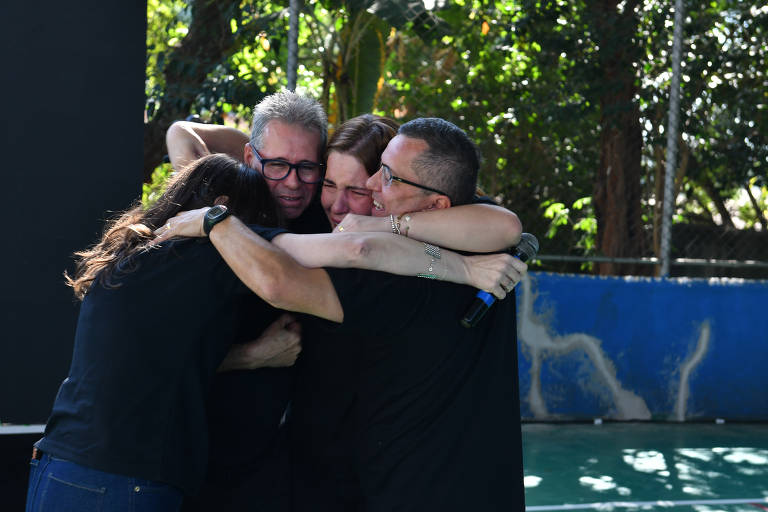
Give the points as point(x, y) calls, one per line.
point(209, 42)
point(292, 64)
point(758, 211)
point(717, 200)
point(617, 189)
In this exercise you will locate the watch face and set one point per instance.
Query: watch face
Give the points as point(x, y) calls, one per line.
point(213, 216)
point(217, 211)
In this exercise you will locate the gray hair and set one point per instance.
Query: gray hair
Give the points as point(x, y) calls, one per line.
point(289, 108)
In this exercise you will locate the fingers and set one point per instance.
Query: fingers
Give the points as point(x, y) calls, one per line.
point(161, 237)
point(510, 273)
point(283, 320)
point(519, 265)
point(294, 327)
point(287, 322)
point(288, 356)
point(183, 224)
point(515, 272)
point(499, 292)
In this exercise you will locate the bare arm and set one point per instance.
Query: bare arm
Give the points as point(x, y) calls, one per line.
point(189, 141)
point(273, 275)
point(471, 227)
point(385, 252)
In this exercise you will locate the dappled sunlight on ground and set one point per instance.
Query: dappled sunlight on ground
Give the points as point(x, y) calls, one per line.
point(646, 462)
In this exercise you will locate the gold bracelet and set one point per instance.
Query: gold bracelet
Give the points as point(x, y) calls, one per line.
point(407, 218)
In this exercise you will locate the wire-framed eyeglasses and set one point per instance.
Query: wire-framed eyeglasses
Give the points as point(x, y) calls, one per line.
point(278, 169)
point(387, 178)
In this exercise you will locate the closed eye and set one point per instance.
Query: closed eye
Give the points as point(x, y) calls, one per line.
point(360, 192)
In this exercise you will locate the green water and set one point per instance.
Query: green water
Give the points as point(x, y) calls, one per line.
point(577, 463)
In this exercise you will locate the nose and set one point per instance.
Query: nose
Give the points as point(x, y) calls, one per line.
point(292, 180)
point(340, 203)
point(374, 182)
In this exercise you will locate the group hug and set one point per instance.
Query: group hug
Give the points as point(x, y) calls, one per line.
point(280, 331)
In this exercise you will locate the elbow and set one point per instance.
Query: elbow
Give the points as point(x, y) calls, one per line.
point(267, 285)
point(274, 293)
point(174, 131)
point(357, 248)
point(514, 230)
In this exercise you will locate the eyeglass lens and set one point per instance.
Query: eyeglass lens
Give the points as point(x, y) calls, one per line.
point(279, 169)
point(386, 174)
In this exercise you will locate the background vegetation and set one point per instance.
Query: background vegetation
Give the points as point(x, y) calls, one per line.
point(567, 100)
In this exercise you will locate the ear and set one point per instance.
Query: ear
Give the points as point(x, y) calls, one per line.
point(221, 200)
point(248, 155)
point(440, 202)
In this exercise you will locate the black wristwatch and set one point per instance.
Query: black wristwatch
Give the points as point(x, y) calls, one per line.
point(213, 216)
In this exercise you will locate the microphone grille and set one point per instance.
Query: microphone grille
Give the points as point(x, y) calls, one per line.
point(529, 246)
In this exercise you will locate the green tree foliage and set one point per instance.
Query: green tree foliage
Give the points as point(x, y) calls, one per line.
point(210, 61)
point(567, 100)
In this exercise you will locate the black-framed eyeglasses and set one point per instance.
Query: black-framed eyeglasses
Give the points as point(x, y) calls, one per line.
point(387, 178)
point(278, 169)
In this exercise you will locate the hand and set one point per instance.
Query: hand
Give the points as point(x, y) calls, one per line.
point(189, 224)
point(495, 273)
point(278, 346)
point(358, 223)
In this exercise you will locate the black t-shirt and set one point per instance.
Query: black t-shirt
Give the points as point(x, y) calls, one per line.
point(312, 220)
point(321, 424)
point(238, 397)
point(437, 405)
point(145, 352)
point(323, 428)
point(249, 464)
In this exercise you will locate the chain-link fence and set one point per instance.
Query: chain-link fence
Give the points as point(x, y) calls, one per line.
point(576, 122)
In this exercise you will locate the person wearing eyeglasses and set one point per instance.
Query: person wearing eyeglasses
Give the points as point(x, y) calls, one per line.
point(286, 145)
point(354, 155)
point(435, 419)
point(248, 461)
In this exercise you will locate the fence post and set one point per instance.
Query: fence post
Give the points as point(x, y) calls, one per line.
point(293, 44)
point(673, 122)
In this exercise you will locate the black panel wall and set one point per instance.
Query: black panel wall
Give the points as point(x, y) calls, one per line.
point(72, 127)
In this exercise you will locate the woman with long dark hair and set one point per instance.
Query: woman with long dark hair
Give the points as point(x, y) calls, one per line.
point(128, 427)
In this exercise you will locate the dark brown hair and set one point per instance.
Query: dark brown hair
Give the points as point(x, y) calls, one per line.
point(450, 163)
point(365, 137)
point(195, 186)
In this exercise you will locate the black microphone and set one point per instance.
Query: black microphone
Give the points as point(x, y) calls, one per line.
point(524, 251)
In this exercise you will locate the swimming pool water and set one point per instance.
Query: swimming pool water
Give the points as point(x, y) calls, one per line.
point(636, 462)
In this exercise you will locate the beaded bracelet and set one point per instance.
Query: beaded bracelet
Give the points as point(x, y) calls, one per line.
point(395, 225)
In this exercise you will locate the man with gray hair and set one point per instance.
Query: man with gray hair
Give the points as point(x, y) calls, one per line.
point(434, 423)
point(248, 463)
point(289, 131)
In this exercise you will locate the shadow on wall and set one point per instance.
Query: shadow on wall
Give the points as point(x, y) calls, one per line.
point(642, 348)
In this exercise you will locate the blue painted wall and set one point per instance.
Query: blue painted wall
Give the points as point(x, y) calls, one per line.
point(640, 348)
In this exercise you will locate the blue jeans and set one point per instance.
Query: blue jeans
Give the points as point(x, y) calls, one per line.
point(57, 484)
